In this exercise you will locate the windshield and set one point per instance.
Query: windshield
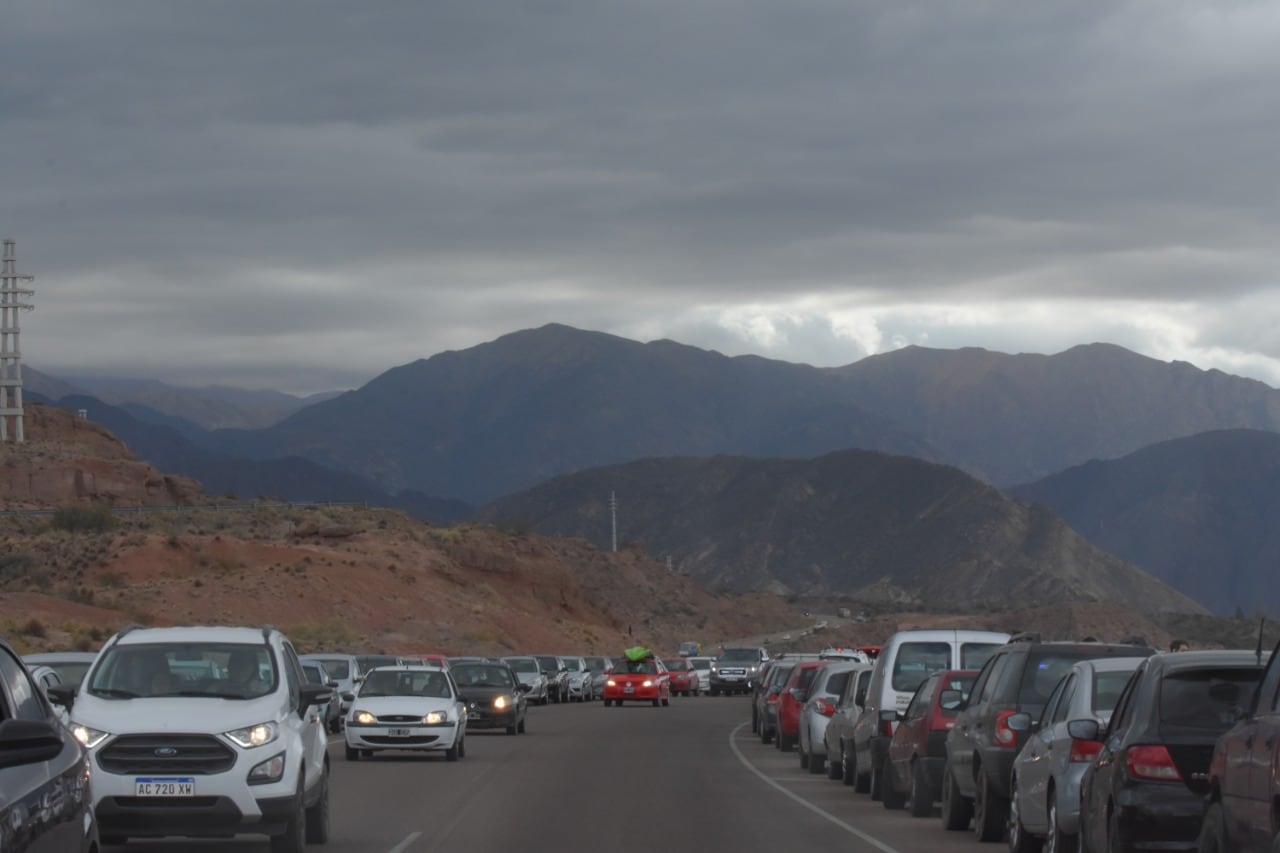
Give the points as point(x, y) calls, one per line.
point(572, 664)
point(548, 664)
point(481, 675)
point(368, 662)
point(677, 665)
point(739, 656)
point(637, 667)
point(337, 668)
point(700, 663)
point(597, 664)
point(400, 682)
point(154, 670)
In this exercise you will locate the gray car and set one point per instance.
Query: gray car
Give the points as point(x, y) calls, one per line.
point(1044, 800)
point(820, 707)
point(837, 737)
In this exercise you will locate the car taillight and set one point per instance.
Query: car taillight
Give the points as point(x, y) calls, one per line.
point(1152, 762)
point(1005, 736)
point(1083, 751)
point(825, 708)
point(886, 728)
point(772, 698)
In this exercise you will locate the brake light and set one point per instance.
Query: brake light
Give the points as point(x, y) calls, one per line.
point(1153, 762)
point(1083, 751)
point(886, 728)
point(825, 708)
point(772, 698)
point(1005, 736)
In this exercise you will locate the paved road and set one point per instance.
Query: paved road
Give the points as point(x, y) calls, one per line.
point(686, 778)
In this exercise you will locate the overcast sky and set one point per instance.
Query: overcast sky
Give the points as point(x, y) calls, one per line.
point(301, 195)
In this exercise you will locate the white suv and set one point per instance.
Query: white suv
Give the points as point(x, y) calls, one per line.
point(204, 732)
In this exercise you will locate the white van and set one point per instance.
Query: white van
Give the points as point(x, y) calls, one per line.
point(906, 660)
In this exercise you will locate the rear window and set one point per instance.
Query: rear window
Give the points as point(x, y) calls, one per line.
point(1106, 689)
point(337, 669)
point(1205, 699)
point(1043, 672)
point(916, 662)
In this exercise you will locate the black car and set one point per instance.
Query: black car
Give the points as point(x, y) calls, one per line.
point(494, 696)
point(1148, 785)
point(1018, 678)
point(44, 772)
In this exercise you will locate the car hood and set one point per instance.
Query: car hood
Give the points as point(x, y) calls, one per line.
point(411, 705)
point(173, 714)
point(480, 694)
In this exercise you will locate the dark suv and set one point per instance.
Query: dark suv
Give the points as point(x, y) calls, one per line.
point(1018, 678)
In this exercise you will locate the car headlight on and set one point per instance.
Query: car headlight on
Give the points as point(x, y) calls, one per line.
point(247, 738)
point(648, 682)
point(89, 737)
point(611, 683)
point(364, 718)
point(435, 718)
point(500, 702)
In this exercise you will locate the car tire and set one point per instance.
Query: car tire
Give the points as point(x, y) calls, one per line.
point(876, 786)
point(786, 743)
point(513, 728)
point(1020, 840)
point(835, 769)
point(861, 781)
point(921, 795)
point(956, 810)
point(666, 702)
point(521, 725)
point(990, 812)
point(816, 763)
point(353, 754)
point(765, 736)
point(804, 757)
point(293, 839)
point(1058, 841)
point(846, 766)
point(656, 703)
point(318, 812)
point(755, 721)
point(451, 754)
point(462, 747)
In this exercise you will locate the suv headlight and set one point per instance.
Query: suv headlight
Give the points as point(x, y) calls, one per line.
point(259, 735)
point(89, 737)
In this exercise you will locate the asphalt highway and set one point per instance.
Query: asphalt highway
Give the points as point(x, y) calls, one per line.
point(682, 779)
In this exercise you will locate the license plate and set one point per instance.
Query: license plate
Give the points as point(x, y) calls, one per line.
point(628, 689)
point(164, 786)
point(474, 715)
point(398, 733)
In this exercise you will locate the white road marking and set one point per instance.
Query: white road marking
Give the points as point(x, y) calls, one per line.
point(404, 845)
point(849, 828)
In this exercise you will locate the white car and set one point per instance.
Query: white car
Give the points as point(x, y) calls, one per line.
point(702, 666)
point(203, 732)
point(414, 708)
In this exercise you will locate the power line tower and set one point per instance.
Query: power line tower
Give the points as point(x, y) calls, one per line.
point(12, 303)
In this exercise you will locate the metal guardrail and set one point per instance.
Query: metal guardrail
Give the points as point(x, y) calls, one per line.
point(237, 507)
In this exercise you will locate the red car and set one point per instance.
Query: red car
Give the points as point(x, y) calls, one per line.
point(638, 681)
point(918, 749)
point(684, 678)
point(794, 693)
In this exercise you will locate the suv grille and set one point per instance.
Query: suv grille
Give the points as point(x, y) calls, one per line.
point(199, 755)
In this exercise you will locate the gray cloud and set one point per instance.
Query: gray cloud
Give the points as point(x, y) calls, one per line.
point(313, 192)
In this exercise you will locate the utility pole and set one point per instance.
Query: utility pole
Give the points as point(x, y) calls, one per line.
point(12, 301)
point(613, 515)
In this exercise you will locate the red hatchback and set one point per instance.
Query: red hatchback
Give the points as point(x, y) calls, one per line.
point(684, 678)
point(918, 749)
point(638, 681)
point(795, 692)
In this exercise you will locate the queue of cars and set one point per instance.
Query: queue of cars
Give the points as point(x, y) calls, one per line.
point(1053, 746)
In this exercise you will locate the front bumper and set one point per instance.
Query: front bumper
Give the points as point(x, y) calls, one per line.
point(638, 694)
point(419, 738)
point(489, 717)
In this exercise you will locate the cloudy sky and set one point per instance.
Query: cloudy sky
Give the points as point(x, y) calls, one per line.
point(300, 195)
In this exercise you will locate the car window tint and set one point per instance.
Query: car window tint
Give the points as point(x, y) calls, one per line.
point(836, 683)
point(974, 655)
point(22, 691)
point(919, 704)
point(339, 670)
point(1042, 673)
point(1058, 703)
point(990, 678)
point(916, 661)
point(1204, 699)
point(806, 677)
point(1107, 687)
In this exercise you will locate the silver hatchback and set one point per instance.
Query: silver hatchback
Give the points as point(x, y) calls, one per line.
point(1044, 800)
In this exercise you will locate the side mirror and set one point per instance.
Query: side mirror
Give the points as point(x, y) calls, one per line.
point(314, 694)
point(1020, 722)
point(62, 694)
point(524, 687)
point(1084, 729)
point(348, 697)
point(28, 742)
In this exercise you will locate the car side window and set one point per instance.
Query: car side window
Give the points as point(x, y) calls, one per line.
point(1051, 707)
point(990, 677)
point(23, 694)
point(293, 675)
point(1067, 695)
point(919, 704)
point(1124, 705)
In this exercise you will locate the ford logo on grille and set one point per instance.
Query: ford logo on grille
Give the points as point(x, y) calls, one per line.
point(165, 752)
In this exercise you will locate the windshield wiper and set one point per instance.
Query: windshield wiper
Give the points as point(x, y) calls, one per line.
point(114, 692)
